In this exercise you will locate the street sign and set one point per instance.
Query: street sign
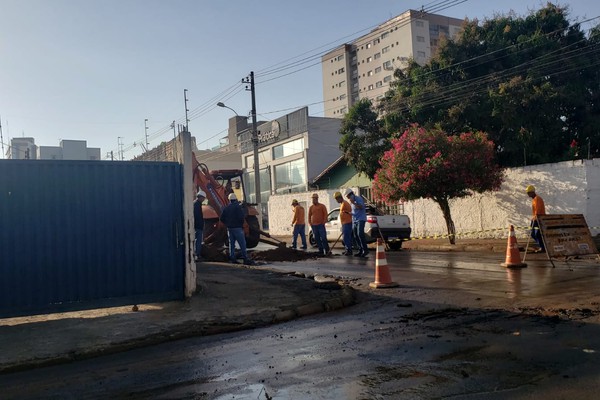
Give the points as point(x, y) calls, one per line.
point(566, 235)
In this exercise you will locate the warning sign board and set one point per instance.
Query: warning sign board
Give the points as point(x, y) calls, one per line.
point(566, 235)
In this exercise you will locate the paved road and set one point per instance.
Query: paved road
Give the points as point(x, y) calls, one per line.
point(479, 274)
point(459, 326)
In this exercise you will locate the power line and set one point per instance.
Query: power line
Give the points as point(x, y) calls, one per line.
point(401, 23)
point(209, 105)
point(234, 90)
point(463, 89)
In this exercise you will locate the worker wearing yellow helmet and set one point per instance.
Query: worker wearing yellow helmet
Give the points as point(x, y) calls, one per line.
point(299, 225)
point(317, 217)
point(537, 208)
point(346, 222)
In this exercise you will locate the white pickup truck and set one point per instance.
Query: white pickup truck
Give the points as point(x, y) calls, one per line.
point(393, 228)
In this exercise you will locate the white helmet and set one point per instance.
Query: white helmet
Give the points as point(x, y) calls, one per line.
point(232, 197)
point(348, 192)
point(201, 193)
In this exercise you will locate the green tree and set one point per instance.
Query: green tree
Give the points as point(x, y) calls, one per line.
point(363, 139)
point(532, 83)
point(429, 163)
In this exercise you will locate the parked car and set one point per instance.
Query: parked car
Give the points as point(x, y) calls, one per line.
point(394, 229)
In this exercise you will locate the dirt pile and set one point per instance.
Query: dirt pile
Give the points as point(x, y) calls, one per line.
point(221, 254)
point(283, 254)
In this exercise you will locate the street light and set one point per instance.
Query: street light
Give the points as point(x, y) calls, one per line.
point(221, 104)
point(255, 153)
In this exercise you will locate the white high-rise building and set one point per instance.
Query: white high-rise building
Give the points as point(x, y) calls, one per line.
point(25, 148)
point(22, 148)
point(365, 67)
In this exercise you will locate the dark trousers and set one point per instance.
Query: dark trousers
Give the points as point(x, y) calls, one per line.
point(359, 234)
point(536, 234)
point(347, 234)
point(320, 235)
point(198, 243)
point(299, 230)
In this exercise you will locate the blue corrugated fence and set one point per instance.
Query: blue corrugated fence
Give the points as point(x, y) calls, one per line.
point(85, 234)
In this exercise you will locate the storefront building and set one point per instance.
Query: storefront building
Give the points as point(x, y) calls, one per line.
point(292, 151)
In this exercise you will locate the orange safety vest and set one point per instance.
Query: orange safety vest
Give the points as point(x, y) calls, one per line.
point(538, 207)
point(317, 214)
point(298, 216)
point(345, 213)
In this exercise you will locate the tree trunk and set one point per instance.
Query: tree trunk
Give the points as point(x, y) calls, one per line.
point(445, 206)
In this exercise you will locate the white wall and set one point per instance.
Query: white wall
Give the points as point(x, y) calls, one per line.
point(280, 209)
point(571, 187)
point(567, 188)
point(219, 159)
point(74, 149)
point(49, 153)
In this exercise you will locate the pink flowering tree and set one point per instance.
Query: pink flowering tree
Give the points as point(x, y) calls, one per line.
point(429, 163)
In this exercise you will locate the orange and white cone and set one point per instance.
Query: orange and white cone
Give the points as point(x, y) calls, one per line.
point(383, 279)
point(513, 257)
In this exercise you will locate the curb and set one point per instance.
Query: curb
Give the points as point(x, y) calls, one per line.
point(191, 328)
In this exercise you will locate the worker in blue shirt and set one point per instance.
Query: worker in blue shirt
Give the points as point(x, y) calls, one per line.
point(359, 219)
point(233, 217)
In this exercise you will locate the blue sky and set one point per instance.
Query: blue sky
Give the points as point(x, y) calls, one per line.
point(96, 69)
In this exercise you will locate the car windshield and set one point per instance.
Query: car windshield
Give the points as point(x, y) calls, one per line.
point(333, 214)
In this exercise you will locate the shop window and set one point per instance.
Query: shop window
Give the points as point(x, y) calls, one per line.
point(290, 176)
point(288, 149)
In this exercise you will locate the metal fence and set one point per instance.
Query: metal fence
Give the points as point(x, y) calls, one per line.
point(87, 234)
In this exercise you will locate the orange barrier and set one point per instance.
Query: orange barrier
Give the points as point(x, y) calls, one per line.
point(513, 257)
point(383, 279)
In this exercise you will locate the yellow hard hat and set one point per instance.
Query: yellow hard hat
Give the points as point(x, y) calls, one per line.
point(337, 194)
point(294, 201)
point(530, 189)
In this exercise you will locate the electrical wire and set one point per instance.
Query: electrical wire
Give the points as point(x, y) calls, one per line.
point(228, 93)
point(210, 105)
point(358, 42)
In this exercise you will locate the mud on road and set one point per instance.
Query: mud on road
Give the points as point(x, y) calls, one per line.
point(271, 255)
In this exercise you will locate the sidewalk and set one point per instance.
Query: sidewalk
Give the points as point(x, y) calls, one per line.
point(229, 298)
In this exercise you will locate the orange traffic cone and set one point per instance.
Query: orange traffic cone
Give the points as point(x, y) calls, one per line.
point(513, 257)
point(383, 279)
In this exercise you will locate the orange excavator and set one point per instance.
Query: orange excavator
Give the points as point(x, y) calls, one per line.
point(218, 184)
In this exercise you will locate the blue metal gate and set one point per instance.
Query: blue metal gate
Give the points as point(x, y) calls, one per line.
point(89, 234)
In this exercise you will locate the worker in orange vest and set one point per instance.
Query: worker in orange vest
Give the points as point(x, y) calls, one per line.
point(299, 224)
point(346, 222)
point(538, 208)
point(317, 216)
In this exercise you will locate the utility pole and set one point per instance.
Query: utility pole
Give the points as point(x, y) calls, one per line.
point(250, 80)
point(120, 146)
point(146, 132)
point(185, 100)
point(588, 140)
point(174, 147)
point(1, 137)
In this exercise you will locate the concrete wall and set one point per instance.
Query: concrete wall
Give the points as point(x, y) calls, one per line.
point(323, 144)
point(74, 149)
point(49, 153)
point(280, 209)
point(571, 187)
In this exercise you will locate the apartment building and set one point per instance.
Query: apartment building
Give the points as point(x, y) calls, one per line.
point(22, 148)
point(365, 67)
point(25, 148)
point(69, 150)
